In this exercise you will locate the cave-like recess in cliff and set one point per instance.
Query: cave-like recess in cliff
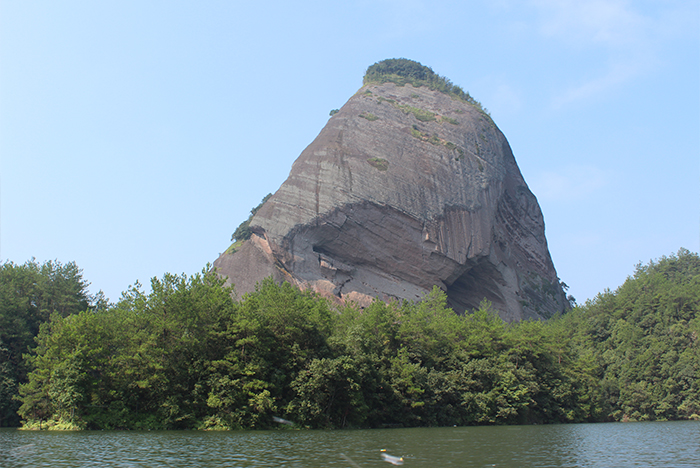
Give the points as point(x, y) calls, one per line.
point(473, 286)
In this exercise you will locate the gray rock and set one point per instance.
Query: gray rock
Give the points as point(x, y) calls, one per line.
point(405, 188)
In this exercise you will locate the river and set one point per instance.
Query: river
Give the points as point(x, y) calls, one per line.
point(645, 444)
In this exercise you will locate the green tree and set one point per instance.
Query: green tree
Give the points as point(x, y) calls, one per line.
point(329, 393)
point(638, 348)
point(243, 231)
point(186, 355)
point(143, 363)
point(29, 295)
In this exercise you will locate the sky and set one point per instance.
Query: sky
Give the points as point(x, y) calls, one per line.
point(135, 136)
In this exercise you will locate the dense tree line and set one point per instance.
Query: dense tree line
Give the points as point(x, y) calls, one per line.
point(189, 355)
point(641, 344)
point(29, 295)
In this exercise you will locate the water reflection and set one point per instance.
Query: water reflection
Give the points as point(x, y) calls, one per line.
point(673, 444)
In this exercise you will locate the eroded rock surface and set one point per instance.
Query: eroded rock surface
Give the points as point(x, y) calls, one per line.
point(405, 188)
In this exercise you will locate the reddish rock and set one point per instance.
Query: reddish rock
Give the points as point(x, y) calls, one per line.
point(405, 188)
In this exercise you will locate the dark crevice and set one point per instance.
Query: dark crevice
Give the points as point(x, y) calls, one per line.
point(478, 283)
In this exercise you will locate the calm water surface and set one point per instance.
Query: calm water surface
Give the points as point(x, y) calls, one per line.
point(657, 444)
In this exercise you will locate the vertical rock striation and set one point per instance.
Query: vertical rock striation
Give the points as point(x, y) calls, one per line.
point(405, 188)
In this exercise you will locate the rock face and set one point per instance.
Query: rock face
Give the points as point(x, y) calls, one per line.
point(405, 188)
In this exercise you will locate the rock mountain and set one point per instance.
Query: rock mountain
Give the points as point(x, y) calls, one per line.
point(409, 185)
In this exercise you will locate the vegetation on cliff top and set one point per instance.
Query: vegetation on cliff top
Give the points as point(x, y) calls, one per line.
point(188, 355)
point(403, 71)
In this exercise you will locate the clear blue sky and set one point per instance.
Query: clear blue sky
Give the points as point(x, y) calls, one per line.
point(136, 135)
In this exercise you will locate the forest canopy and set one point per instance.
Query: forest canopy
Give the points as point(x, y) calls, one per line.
point(188, 355)
point(29, 295)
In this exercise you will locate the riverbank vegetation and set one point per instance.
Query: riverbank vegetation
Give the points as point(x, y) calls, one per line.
point(188, 355)
point(29, 295)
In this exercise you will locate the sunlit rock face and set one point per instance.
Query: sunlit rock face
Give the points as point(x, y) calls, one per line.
point(405, 188)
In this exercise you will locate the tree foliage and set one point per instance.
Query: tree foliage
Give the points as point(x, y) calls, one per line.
point(29, 295)
point(403, 71)
point(642, 342)
point(187, 355)
point(243, 231)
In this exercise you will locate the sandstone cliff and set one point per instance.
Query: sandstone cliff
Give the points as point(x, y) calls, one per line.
point(405, 188)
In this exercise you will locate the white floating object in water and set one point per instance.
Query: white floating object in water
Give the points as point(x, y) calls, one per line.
point(282, 421)
point(392, 459)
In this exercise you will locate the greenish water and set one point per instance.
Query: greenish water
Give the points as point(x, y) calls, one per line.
point(662, 444)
